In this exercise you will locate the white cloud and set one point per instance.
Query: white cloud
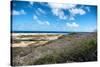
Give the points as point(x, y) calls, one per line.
point(37, 12)
point(40, 21)
point(75, 11)
point(69, 6)
point(14, 12)
point(62, 15)
point(59, 13)
point(21, 12)
point(40, 10)
point(71, 18)
point(72, 25)
point(46, 22)
point(57, 9)
point(43, 22)
point(61, 6)
point(87, 8)
point(31, 3)
point(78, 11)
point(35, 17)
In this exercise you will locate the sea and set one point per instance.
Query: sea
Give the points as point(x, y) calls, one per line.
point(39, 32)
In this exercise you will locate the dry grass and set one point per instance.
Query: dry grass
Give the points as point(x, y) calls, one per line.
point(68, 48)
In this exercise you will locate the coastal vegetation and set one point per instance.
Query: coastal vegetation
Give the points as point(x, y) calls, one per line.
point(74, 47)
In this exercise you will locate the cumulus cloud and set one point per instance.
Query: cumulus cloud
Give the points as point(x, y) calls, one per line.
point(82, 10)
point(61, 6)
point(75, 11)
point(21, 12)
point(72, 25)
point(14, 12)
point(57, 9)
point(59, 13)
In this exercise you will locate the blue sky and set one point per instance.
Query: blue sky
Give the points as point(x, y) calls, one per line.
point(43, 16)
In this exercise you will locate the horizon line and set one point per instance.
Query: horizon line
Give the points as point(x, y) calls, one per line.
point(48, 31)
